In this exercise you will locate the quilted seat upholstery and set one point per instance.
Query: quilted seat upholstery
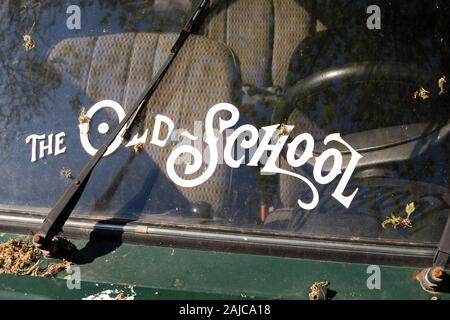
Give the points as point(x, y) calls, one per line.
point(263, 34)
point(118, 67)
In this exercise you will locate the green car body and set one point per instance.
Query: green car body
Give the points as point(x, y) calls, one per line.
point(157, 273)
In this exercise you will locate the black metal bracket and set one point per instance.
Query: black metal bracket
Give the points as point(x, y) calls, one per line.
point(436, 279)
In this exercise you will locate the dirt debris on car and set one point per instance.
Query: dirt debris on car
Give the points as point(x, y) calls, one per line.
point(282, 130)
point(28, 41)
point(66, 173)
point(422, 94)
point(319, 290)
point(112, 295)
point(85, 122)
point(138, 147)
point(55, 268)
point(20, 257)
point(442, 83)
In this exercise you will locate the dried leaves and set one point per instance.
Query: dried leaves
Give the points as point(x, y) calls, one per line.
point(112, 295)
point(66, 173)
point(422, 94)
point(442, 85)
point(138, 147)
point(83, 118)
point(319, 290)
point(85, 122)
point(397, 221)
point(54, 268)
point(410, 208)
point(20, 257)
point(282, 130)
point(28, 42)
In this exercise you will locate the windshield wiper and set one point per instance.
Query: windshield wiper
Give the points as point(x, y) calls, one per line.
point(55, 220)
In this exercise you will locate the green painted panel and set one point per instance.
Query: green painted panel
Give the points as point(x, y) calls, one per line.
point(166, 273)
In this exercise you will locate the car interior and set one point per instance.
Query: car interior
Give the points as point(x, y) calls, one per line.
point(234, 49)
point(250, 49)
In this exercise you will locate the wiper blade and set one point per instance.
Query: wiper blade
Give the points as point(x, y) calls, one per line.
point(59, 214)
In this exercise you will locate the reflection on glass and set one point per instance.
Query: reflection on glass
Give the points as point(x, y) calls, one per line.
point(121, 44)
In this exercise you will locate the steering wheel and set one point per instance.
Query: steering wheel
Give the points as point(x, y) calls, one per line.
point(381, 145)
point(378, 146)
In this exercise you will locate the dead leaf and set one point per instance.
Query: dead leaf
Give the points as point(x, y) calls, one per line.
point(138, 147)
point(85, 122)
point(282, 130)
point(397, 221)
point(66, 173)
point(121, 296)
point(410, 208)
point(442, 85)
point(28, 42)
point(422, 94)
point(54, 268)
point(316, 288)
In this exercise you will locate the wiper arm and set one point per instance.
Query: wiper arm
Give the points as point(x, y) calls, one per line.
point(442, 258)
point(437, 279)
point(57, 217)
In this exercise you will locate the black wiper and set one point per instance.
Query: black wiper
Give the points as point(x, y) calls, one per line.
point(437, 279)
point(55, 220)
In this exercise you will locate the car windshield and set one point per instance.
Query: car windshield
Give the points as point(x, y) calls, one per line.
point(285, 117)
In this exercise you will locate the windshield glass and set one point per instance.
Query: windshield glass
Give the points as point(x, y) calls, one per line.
point(286, 117)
